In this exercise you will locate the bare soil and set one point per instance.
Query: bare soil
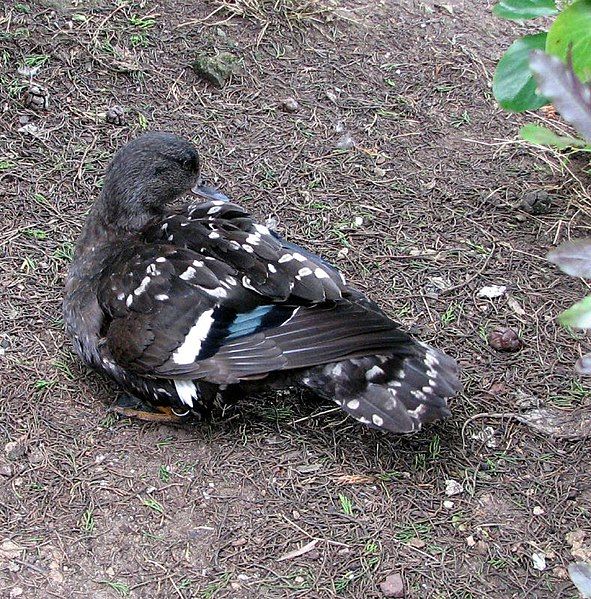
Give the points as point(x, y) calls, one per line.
point(92, 506)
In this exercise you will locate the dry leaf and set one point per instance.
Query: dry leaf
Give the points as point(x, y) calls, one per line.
point(575, 424)
point(355, 479)
point(298, 552)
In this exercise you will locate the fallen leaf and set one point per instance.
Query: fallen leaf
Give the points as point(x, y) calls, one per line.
point(515, 306)
point(573, 425)
point(579, 550)
point(297, 552)
point(355, 479)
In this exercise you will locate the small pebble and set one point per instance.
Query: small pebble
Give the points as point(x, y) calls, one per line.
point(392, 586)
point(289, 105)
point(331, 96)
point(453, 487)
point(447, 504)
point(505, 340)
point(560, 572)
point(272, 222)
point(216, 69)
point(539, 561)
point(15, 450)
point(538, 511)
point(28, 128)
point(9, 549)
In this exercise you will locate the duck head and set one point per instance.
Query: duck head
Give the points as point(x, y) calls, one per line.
point(144, 176)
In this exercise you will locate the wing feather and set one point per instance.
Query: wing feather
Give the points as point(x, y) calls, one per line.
point(211, 295)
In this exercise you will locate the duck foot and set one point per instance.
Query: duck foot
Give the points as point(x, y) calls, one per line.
point(133, 407)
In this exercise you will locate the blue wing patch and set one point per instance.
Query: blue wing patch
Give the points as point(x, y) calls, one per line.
point(248, 322)
point(230, 325)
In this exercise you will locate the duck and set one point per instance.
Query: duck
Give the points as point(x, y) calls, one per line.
point(181, 305)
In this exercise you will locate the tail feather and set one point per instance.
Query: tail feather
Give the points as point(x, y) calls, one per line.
point(398, 392)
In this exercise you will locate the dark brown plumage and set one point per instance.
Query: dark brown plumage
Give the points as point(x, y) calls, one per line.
point(175, 304)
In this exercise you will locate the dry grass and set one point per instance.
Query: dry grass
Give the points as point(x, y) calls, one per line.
point(288, 12)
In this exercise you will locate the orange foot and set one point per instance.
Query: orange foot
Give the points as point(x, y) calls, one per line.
point(131, 407)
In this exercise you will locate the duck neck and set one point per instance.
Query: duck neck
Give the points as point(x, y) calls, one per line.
point(123, 217)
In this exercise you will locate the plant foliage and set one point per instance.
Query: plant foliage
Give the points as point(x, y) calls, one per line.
point(573, 98)
point(568, 36)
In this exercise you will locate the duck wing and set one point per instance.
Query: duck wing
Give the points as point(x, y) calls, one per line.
point(209, 294)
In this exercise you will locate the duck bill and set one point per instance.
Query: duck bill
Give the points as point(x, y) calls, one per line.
point(209, 193)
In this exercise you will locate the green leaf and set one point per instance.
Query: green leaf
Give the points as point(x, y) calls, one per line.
point(519, 10)
point(577, 316)
point(543, 136)
point(514, 86)
point(572, 28)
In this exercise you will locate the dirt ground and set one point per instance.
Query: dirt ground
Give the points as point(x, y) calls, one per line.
point(396, 126)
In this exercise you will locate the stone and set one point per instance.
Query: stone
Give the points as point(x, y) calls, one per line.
point(538, 561)
point(392, 586)
point(216, 69)
point(481, 547)
point(505, 340)
point(289, 105)
point(453, 487)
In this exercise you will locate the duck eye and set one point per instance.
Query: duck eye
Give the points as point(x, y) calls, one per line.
point(186, 164)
